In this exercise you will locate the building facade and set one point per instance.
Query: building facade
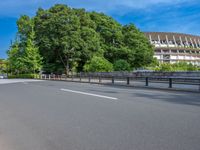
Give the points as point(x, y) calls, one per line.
point(175, 47)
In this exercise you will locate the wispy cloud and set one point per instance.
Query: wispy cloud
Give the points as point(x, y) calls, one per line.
point(16, 7)
point(183, 17)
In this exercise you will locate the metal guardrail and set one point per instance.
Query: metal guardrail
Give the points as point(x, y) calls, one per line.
point(166, 82)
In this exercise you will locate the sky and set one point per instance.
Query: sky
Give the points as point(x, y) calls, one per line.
point(181, 16)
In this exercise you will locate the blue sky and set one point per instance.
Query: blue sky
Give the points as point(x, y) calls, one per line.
point(148, 15)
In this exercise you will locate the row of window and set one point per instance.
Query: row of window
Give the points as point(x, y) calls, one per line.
point(189, 62)
point(177, 57)
point(177, 44)
point(178, 51)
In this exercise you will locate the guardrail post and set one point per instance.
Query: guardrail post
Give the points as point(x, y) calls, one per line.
point(80, 76)
point(170, 82)
point(66, 77)
point(128, 80)
point(113, 80)
point(89, 79)
point(72, 77)
point(199, 85)
point(99, 79)
point(49, 77)
point(147, 81)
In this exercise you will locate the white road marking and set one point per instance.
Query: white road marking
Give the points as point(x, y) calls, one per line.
point(120, 81)
point(9, 81)
point(90, 94)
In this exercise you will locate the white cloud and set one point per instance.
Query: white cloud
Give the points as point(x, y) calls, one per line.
point(16, 7)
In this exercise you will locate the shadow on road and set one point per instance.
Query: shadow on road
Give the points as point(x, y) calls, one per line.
point(176, 98)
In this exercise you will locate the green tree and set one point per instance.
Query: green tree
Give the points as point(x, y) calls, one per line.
point(16, 64)
point(68, 38)
point(31, 57)
point(122, 65)
point(165, 67)
point(3, 66)
point(23, 55)
point(98, 64)
point(25, 25)
point(71, 38)
point(141, 51)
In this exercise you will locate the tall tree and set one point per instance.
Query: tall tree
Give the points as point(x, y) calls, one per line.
point(16, 64)
point(69, 37)
point(141, 51)
point(31, 57)
point(24, 56)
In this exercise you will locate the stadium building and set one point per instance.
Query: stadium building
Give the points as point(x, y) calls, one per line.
point(175, 47)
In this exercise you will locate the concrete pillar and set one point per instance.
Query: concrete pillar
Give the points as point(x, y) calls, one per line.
point(192, 42)
point(159, 40)
point(150, 38)
point(181, 40)
point(174, 41)
point(196, 43)
point(167, 40)
point(187, 42)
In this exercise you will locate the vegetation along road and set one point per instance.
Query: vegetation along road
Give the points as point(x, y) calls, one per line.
point(51, 115)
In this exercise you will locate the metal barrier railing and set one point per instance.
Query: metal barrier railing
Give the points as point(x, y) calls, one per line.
point(128, 81)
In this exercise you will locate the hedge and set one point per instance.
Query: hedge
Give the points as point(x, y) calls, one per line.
point(24, 76)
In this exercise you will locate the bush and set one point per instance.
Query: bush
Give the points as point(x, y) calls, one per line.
point(122, 65)
point(24, 76)
point(98, 64)
point(165, 67)
point(180, 66)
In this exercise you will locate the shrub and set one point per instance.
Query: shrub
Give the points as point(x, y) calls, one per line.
point(98, 64)
point(24, 76)
point(122, 65)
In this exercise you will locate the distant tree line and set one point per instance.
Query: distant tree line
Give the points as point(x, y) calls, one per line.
point(61, 38)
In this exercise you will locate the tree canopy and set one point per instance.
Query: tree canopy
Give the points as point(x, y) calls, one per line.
point(69, 38)
point(23, 55)
point(3, 66)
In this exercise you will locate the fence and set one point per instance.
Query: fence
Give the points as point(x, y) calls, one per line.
point(138, 80)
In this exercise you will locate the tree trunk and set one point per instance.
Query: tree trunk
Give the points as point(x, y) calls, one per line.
point(67, 68)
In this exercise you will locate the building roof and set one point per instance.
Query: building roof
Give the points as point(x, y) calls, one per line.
point(171, 36)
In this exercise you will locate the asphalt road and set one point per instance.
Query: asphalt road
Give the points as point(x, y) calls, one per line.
point(52, 115)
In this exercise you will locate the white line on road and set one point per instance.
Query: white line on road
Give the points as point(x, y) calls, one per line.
point(90, 94)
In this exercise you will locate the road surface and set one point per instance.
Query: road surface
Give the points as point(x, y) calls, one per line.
point(53, 115)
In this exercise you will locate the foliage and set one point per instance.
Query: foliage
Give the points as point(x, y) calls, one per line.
point(98, 64)
point(121, 65)
point(23, 55)
point(139, 50)
point(165, 67)
point(181, 66)
point(14, 58)
point(31, 57)
point(68, 38)
point(3, 66)
point(154, 63)
point(24, 76)
point(63, 38)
